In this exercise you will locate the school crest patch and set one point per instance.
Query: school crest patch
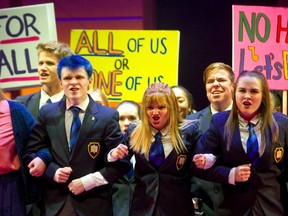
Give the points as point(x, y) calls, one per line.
point(278, 154)
point(180, 161)
point(93, 149)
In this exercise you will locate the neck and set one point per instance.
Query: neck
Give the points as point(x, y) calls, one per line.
point(220, 106)
point(52, 90)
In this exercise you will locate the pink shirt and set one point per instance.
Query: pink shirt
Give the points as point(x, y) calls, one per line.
point(9, 158)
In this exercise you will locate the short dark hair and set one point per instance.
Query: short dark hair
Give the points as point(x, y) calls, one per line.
point(74, 62)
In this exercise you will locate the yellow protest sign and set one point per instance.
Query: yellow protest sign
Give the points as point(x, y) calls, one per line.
point(127, 61)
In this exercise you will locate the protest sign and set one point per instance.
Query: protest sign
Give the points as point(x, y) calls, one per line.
point(127, 61)
point(260, 42)
point(21, 29)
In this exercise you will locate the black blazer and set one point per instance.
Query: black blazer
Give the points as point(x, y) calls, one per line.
point(209, 192)
point(32, 102)
point(168, 187)
point(99, 133)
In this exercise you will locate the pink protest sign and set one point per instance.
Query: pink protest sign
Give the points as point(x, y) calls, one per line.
point(260, 42)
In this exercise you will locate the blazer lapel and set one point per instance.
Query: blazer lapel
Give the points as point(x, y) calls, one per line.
point(268, 149)
point(33, 105)
point(205, 118)
point(60, 129)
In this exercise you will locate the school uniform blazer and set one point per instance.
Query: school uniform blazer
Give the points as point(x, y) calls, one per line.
point(22, 124)
point(267, 183)
point(168, 187)
point(99, 133)
point(32, 101)
point(204, 117)
point(122, 194)
point(209, 192)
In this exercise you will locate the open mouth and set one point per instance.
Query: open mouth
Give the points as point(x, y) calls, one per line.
point(216, 92)
point(74, 89)
point(156, 118)
point(44, 74)
point(247, 103)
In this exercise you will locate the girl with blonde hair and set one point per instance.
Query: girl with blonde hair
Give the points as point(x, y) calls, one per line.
point(163, 143)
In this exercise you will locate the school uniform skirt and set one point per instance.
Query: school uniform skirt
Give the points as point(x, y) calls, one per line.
point(12, 200)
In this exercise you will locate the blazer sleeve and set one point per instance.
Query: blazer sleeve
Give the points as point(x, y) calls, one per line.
point(38, 142)
point(211, 142)
point(113, 137)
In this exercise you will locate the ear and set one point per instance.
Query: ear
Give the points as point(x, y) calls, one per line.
point(90, 81)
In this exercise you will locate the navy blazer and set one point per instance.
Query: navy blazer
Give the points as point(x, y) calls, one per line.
point(99, 133)
point(31, 101)
point(209, 192)
point(168, 187)
point(22, 124)
point(267, 183)
point(122, 195)
point(204, 117)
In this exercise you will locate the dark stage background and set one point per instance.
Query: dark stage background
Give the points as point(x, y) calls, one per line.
point(206, 36)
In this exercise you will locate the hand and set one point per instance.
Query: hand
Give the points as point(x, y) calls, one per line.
point(242, 173)
point(199, 160)
point(37, 167)
point(119, 152)
point(76, 186)
point(62, 174)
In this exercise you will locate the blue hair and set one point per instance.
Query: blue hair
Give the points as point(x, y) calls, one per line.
point(74, 62)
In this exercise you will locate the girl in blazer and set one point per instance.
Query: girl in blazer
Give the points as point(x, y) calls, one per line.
point(162, 187)
point(252, 185)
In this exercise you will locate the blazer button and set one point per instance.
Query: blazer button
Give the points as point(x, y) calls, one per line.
point(156, 188)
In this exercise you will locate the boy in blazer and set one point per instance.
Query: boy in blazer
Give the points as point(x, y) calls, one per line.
point(79, 177)
point(49, 54)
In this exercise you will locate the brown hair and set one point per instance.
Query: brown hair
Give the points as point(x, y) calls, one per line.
point(264, 110)
point(218, 66)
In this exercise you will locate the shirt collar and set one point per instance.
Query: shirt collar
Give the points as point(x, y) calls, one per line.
point(55, 98)
point(164, 131)
point(255, 120)
point(214, 111)
point(83, 106)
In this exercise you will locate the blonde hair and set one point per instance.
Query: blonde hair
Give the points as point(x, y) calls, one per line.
point(264, 110)
point(162, 94)
point(59, 49)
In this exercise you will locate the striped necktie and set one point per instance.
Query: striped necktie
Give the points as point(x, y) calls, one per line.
point(252, 145)
point(75, 127)
point(156, 153)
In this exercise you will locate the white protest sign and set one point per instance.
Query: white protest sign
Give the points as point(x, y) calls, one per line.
point(21, 29)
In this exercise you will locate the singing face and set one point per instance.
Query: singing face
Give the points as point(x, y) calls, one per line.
point(75, 84)
point(248, 96)
point(158, 115)
point(47, 68)
point(219, 89)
